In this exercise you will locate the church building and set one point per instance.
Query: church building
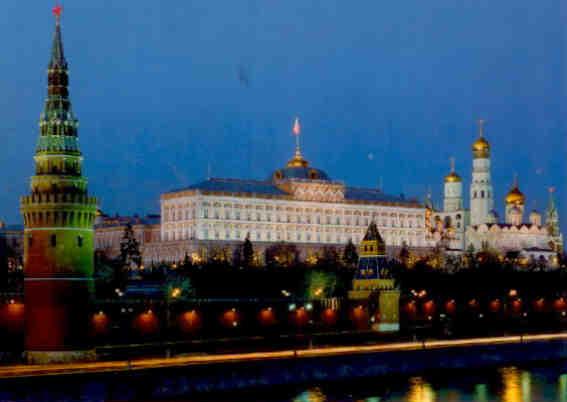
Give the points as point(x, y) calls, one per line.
point(458, 229)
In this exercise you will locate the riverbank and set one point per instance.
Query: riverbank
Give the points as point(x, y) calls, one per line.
point(185, 375)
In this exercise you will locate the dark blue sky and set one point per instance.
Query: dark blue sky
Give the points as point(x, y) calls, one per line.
point(156, 88)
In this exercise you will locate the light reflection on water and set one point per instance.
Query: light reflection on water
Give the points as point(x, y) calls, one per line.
point(511, 384)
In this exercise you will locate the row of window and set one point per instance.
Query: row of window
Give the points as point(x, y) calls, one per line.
point(280, 236)
point(170, 215)
point(328, 220)
point(482, 194)
point(53, 241)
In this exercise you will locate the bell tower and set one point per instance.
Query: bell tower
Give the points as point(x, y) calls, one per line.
point(481, 194)
point(58, 218)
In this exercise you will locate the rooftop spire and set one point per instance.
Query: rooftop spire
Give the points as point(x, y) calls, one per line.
point(297, 160)
point(452, 161)
point(481, 128)
point(551, 205)
point(57, 55)
point(297, 133)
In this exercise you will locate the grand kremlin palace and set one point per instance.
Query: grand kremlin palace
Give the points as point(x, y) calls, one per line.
point(298, 203)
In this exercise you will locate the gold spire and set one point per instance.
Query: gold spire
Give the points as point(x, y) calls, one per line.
point(481, 147)
point(297, 160)
point(515, 196)
point(452, 177)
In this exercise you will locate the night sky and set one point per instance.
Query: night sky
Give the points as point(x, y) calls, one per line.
point(391, 90)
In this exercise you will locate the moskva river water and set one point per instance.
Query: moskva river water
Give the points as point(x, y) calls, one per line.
point(506, 384)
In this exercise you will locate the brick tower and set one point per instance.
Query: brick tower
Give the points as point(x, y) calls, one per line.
point(58, 217)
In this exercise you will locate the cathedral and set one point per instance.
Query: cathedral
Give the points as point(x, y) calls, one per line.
point(458, 229)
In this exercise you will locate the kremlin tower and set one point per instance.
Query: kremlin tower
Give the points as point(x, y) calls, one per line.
point(481, 194)
point(58, 217)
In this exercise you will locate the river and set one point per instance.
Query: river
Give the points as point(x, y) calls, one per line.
point(508, 384)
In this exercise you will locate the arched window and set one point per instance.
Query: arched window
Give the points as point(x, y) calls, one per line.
point(53, 240)
point(474, 194)
point(79, 241)
point(482, 194)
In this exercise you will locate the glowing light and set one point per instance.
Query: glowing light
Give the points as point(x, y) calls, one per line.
point(309, 306)
point(513, 293)
point(420, 391)
point(176, 292)
point(291, 307)
point(296, 127)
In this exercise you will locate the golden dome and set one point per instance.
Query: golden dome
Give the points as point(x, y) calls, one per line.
point(515, 196)
point(297, 160)
point(481, 148)
point(453, 178)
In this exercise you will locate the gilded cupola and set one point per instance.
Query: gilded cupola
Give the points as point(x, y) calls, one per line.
point(515, 196)
point(481, 147)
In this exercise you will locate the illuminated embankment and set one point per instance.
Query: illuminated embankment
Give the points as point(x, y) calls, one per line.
point(220, 360)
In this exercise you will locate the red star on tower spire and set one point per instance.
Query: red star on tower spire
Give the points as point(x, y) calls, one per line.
point(57, 10)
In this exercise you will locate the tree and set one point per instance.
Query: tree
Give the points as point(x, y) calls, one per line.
point(109, 274)
point(186, 264)
point(237, 257)
point(247, 252)
point(319, 284)
point(329, 259)
point(350, 255)
point(282, 255)
point(130, 249)
point(178, 288)
point(404, 254)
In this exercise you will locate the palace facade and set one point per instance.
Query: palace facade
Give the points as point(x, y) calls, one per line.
point(297, 203)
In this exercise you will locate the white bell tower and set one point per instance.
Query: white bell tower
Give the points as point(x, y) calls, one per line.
point(481, 194)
